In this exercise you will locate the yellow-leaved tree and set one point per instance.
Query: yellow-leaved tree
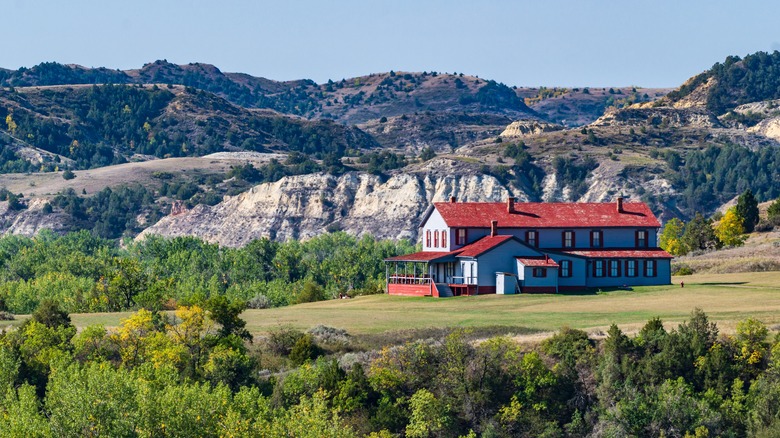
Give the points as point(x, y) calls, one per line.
point(9, 121)
point(730, 230)
point(671, 237)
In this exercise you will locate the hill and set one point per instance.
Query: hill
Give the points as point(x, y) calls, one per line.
point(355, 146)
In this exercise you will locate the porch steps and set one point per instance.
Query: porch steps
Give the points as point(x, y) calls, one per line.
point(444, 290)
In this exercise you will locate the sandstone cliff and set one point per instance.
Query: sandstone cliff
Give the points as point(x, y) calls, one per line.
point(299, 207)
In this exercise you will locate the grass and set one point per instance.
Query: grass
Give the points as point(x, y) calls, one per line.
point(726, 298)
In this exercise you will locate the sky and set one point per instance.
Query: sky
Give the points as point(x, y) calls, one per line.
point(656, 43)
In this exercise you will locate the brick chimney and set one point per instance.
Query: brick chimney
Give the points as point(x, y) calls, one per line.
point(510, 205)
point(620, 204)
point(493, 228)
point(452, 199)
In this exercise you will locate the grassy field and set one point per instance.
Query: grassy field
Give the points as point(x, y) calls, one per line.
point(726, 298)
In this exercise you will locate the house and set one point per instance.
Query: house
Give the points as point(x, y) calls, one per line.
point(473, 248)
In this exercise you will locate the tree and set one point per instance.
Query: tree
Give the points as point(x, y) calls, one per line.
point(730, 230)
point(226, 314)
point(429, 416)
point(699, 234)
point(9, 121)
point(427, 154)
point(68, 174)
point(747, 209)
point(773, 212)
point(49, 314)
point(671, 237)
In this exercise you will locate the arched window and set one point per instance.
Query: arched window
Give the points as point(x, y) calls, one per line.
point(428, 238)
point(443, 238)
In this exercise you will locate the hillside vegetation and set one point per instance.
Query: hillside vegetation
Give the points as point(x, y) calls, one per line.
point(692, 151)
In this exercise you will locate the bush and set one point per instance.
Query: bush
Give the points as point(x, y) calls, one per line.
point(304, 350)
point(259, 302)
point(7, 316)
point(311, 293)
point(282, 340)
point(682, 269)
point(68, 174)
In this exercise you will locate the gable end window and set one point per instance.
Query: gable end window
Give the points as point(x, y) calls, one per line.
point(443, 238)
point(596, 239)
point(568, 239)
point(532, 238)
point(428, 238)
point(540, 272)
point(641, 238)
point(565, 270)
point(460, 236)
point(436, 239)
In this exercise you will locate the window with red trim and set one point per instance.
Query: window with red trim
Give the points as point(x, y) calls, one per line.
point(568, 239)
point(565, 270)
point(532, 238)
point(460, 236)
point(444, 238)
point(641, 239)
point(428, 238)
point(436, 239)
point(650, 268)
point(614, 268)
point(596, 239)
point(630, 268)
point(598, 268)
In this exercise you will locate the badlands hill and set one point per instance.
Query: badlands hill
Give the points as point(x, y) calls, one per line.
point(367, 155)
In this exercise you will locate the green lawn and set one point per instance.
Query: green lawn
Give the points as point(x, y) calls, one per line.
point(726, 298)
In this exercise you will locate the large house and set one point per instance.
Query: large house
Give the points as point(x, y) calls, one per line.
point(495, 247)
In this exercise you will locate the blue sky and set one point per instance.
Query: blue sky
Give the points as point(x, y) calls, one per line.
point(525, 43)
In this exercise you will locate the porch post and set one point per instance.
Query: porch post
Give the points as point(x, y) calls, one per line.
point(387, 279)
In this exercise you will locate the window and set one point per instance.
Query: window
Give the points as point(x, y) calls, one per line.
point(460, 236)
point(443, 238)
point(630, 268)
point(428, 238)
point(532, 238)
point(598, 268)
point(650, 268)
point(596, 239)
point(540, 272)
point(641, 239)
point(614, 268)
point(568, 239)
point(436, 239)
point(565, 270)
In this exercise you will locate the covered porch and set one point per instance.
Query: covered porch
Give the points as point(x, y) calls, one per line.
point(426, 273)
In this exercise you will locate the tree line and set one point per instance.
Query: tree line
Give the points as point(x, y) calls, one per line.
point(727, 229)
point(193, 373)
point(86, 273)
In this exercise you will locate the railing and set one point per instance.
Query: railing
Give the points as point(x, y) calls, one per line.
point(408, 279)
point(464, 280)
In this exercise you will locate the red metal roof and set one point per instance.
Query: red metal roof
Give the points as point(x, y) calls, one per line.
point(544, 262)
point(547, 214)
point(619, 253)
point(483, 245)
point(422, 256)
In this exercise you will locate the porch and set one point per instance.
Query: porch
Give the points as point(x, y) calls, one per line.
point(427, 274)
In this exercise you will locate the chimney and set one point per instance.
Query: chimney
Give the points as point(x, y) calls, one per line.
point(452, 199)
point(493, 228)
point(620, 204)
point(510, 205)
